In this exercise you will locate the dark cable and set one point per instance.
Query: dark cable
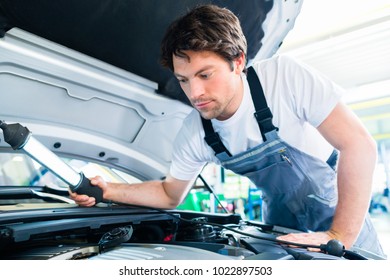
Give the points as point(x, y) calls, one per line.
point(210, 189)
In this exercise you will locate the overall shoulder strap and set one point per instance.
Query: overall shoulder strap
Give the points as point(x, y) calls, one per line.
point(212, 138)
point(263, 114)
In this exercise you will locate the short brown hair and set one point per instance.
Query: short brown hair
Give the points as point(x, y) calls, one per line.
point(205, 28)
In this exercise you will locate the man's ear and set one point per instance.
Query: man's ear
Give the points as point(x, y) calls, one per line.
point(239, 63)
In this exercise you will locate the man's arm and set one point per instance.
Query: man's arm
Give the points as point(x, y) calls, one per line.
point(358, 154)
point(166, 194)
point(356, 165)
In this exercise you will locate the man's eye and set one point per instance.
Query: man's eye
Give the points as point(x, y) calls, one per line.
point(182, 81)
point(205, 76)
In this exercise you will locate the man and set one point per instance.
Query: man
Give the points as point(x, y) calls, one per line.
point(290, 153)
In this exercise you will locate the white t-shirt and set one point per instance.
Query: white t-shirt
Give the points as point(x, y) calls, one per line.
point(300, 99)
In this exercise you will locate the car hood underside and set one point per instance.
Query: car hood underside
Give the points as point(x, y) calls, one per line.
point(84, 76)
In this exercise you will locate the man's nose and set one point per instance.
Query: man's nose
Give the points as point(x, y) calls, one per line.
point(196, 89)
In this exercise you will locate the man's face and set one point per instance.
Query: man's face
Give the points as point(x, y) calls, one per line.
point(212, 87)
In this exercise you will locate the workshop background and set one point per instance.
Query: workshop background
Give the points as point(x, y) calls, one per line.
point(349, 41)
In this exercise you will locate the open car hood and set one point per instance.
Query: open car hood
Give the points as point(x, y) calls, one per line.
point(84, 76)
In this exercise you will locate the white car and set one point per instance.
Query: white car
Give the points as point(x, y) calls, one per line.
point(83, 80)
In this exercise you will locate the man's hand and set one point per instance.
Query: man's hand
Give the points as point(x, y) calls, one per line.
point(313, 238)
point(85, 200)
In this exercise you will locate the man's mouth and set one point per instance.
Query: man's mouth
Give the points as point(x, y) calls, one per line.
point(201, 104)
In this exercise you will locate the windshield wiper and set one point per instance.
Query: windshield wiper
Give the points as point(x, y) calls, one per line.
point(53, 196)
point(31, 192)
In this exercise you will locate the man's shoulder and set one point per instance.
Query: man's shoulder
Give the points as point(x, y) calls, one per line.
point(192, 122)
point(280, 60)
point(193, 116)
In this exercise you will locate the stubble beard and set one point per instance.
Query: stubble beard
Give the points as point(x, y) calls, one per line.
point(212, 113)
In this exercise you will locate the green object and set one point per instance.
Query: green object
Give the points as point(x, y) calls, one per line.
point(198, 200)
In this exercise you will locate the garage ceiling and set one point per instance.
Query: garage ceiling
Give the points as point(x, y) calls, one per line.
point(349, 41)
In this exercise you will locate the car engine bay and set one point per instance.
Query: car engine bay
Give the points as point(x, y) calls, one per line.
point(126, 233)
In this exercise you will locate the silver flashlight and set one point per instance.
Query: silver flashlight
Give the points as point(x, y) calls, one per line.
point(20, 138)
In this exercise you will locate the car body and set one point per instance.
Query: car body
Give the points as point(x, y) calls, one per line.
point(84, 78)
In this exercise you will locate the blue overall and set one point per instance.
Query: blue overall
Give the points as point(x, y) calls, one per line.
point(299, 190)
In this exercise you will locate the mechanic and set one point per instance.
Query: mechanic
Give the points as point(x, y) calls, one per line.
point(290, 154)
